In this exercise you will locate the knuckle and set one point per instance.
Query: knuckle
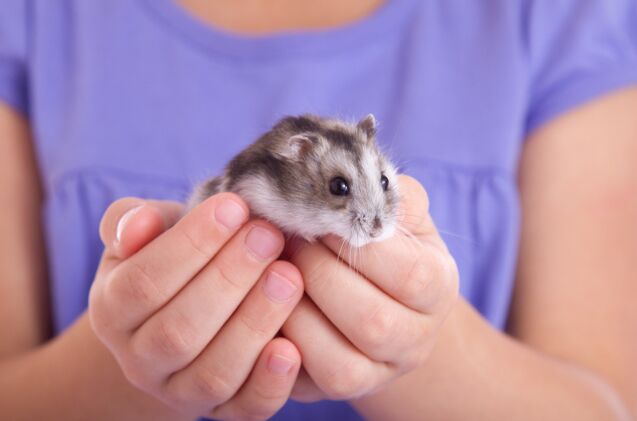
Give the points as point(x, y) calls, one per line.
point(222, 272)
point(132, 285)
point(198, 240)
point(430, 279)
point(414, 279)
point(443, 285)
point(316, 273)
point(378, 330)
point(98, 318)
point(100, 323)
point(211, 386)
point(348, 382)
point(168, 339)
point(418, 273)
point(135, 374)
point(412, 360)
point(253, 325)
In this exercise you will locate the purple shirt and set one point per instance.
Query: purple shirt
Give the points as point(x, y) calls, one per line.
point(135, 97)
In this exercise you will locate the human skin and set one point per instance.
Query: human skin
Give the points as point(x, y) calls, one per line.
point(176, 311)
point(473, 370)
point(571, 344)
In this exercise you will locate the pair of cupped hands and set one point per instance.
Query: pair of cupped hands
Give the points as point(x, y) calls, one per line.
point(201, 312)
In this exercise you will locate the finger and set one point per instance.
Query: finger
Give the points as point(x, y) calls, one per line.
point(147, 280)
point(218, 372)
point(305, 390)
point(375, 323)
point(418, 274)
point(268, 387)
point(128, 225)
point(413, 210)
point(127, 222)
point(333, 363)
point(177, 333)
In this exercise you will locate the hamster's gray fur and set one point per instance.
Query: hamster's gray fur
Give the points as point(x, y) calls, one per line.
point(285, 177)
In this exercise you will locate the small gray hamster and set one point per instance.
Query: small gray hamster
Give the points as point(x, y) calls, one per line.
point(313, 176)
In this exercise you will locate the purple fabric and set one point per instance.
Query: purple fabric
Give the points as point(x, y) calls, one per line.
point(135, 97)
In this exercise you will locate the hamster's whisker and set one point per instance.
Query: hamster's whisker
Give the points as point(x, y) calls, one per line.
point(418, 218)
point(338, 259)
point(340, 250)
point(352, 263)
point(406, 237)
point(376, 255)
point(461, 237)
point(349, 254)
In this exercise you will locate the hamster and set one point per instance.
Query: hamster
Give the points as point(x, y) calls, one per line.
point(313, 176)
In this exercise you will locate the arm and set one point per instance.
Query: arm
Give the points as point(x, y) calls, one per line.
point(23, 292)
point(573, 316)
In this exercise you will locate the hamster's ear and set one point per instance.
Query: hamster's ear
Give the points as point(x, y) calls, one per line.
point(297, 147)
point(368, 126)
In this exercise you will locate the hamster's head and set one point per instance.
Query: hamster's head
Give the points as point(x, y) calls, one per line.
point(345, 185)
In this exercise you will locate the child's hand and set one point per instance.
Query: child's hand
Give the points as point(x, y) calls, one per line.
point(191, 314)
point(359, 330)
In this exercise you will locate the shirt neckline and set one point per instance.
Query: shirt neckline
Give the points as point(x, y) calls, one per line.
point(381, 23)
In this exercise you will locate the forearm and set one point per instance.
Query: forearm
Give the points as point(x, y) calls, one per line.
point(75, 378)
point(476, 372)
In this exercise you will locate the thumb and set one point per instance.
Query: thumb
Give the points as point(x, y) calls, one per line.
point(413, 213)
point(130, 223)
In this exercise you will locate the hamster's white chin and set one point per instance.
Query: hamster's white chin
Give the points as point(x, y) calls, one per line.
point(388, 232)
point(362, 240)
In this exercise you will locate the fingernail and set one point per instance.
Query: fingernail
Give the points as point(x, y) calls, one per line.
point(123, 221)
point(280, 365)
point(278, 288)
point(230, 214)
point(262, 242)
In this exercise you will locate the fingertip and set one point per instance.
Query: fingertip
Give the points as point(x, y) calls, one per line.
point(235, 198)
point(410, 187)
point(269, 385)
point(282, 358)
point(226, 208)
point(413, 208)
point(112, 216)
point(137, 228)
point(289, 271)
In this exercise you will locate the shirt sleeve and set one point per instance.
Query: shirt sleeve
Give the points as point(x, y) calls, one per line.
point(13, 54)
point(577, 50)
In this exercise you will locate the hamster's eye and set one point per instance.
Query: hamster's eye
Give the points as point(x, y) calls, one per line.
point(339, 187)
point(384, 182)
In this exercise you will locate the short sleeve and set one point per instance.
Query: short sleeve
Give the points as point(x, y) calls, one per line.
point(13, 54)
point(577, 50)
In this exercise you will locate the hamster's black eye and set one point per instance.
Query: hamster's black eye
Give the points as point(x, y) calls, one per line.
point(384, 182)
point(339, 187)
